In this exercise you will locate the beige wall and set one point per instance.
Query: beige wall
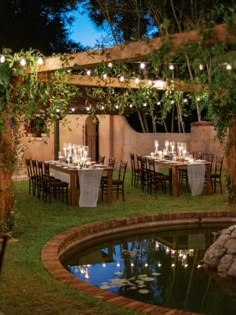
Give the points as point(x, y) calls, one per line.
point(118, 139)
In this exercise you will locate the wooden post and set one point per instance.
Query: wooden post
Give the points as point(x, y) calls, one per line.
point(6, 152)
point(231, 156)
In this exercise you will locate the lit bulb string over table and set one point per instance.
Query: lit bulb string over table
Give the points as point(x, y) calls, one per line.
point(179, 159)
point(83, 176)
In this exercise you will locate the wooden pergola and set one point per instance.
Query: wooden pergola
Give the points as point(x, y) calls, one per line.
point(133, 52)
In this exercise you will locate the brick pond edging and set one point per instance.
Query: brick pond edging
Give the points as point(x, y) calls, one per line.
point(78, 236)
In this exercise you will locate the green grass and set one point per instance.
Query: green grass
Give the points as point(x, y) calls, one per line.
point(27, 288)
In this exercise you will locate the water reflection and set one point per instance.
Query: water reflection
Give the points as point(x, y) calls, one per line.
point(161, 268)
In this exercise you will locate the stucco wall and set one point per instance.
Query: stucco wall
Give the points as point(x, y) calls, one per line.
point(118, 139)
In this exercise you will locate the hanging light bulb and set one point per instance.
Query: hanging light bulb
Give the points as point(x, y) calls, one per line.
point(2, 59)
point(23, 62)
point(228, 66)
point(142, 65)
point(201, 67)
point(40, 61)
point(171, 67)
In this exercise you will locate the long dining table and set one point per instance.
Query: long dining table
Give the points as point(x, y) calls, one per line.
point(74, 182)
point(174, 167)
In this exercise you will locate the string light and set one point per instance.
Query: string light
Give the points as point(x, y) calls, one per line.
point(142, 65)
point(88, 72)
point(228, 66)
point(110, 65)
point(171, 67)
point(40, 61)
point(137, 81)
point(2, 59)
point(23, 62)
point(122, 78)
point(104, 76)
point(201, 67)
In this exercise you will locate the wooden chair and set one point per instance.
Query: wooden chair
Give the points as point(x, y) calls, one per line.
point(3, 243)
point(101, 159)
point(145, 175)
point(53, 187)
point(36, 176)
point(208, 157)
point(111, 162)
point(31, 176)
point(217, 174)
point(117, 183)
point(157, 179)
point(134, 170)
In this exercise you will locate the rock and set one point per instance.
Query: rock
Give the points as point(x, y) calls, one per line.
point(232, 269)
point(230, 246)
point(225, 263)
point(213, 255)
point(221, 255)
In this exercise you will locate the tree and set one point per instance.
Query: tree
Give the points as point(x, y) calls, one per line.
point(41, 25)
point(134, 20)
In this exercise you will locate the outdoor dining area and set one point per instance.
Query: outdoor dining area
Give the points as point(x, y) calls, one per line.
point(78, 181)
point(196, 171)
point(75, 179)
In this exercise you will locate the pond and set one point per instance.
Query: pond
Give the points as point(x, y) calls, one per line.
point(161, 267)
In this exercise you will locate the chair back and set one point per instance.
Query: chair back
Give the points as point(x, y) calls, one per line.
point(35, 168)
point(112, 161)
point(40, 169)
point(46, 168)
point(132, 161)
point(29, 168)
point(122, 170)
point(208, 157)
point(218, 165)
point(101, 159)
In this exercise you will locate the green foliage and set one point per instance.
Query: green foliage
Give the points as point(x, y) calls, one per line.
point(23, 96)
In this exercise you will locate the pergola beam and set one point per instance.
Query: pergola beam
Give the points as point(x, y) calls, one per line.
point(93, 81)
point(136, 51)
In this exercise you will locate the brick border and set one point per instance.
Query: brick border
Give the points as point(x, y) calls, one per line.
point(58, 245)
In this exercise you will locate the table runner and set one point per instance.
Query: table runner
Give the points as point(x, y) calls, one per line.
point(89, 182)
point(196, 177)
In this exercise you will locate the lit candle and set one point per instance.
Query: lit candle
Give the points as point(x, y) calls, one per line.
point(167, 145)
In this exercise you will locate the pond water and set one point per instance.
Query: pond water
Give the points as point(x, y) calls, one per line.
point(161, 267)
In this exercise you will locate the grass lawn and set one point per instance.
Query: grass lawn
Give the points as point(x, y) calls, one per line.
point(27, 288)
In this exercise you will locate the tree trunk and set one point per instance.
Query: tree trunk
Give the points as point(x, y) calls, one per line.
point(231, 159)
point(6, 195)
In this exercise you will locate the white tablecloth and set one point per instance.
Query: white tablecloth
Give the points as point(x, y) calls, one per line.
point(196, 177)
point(89, 182)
